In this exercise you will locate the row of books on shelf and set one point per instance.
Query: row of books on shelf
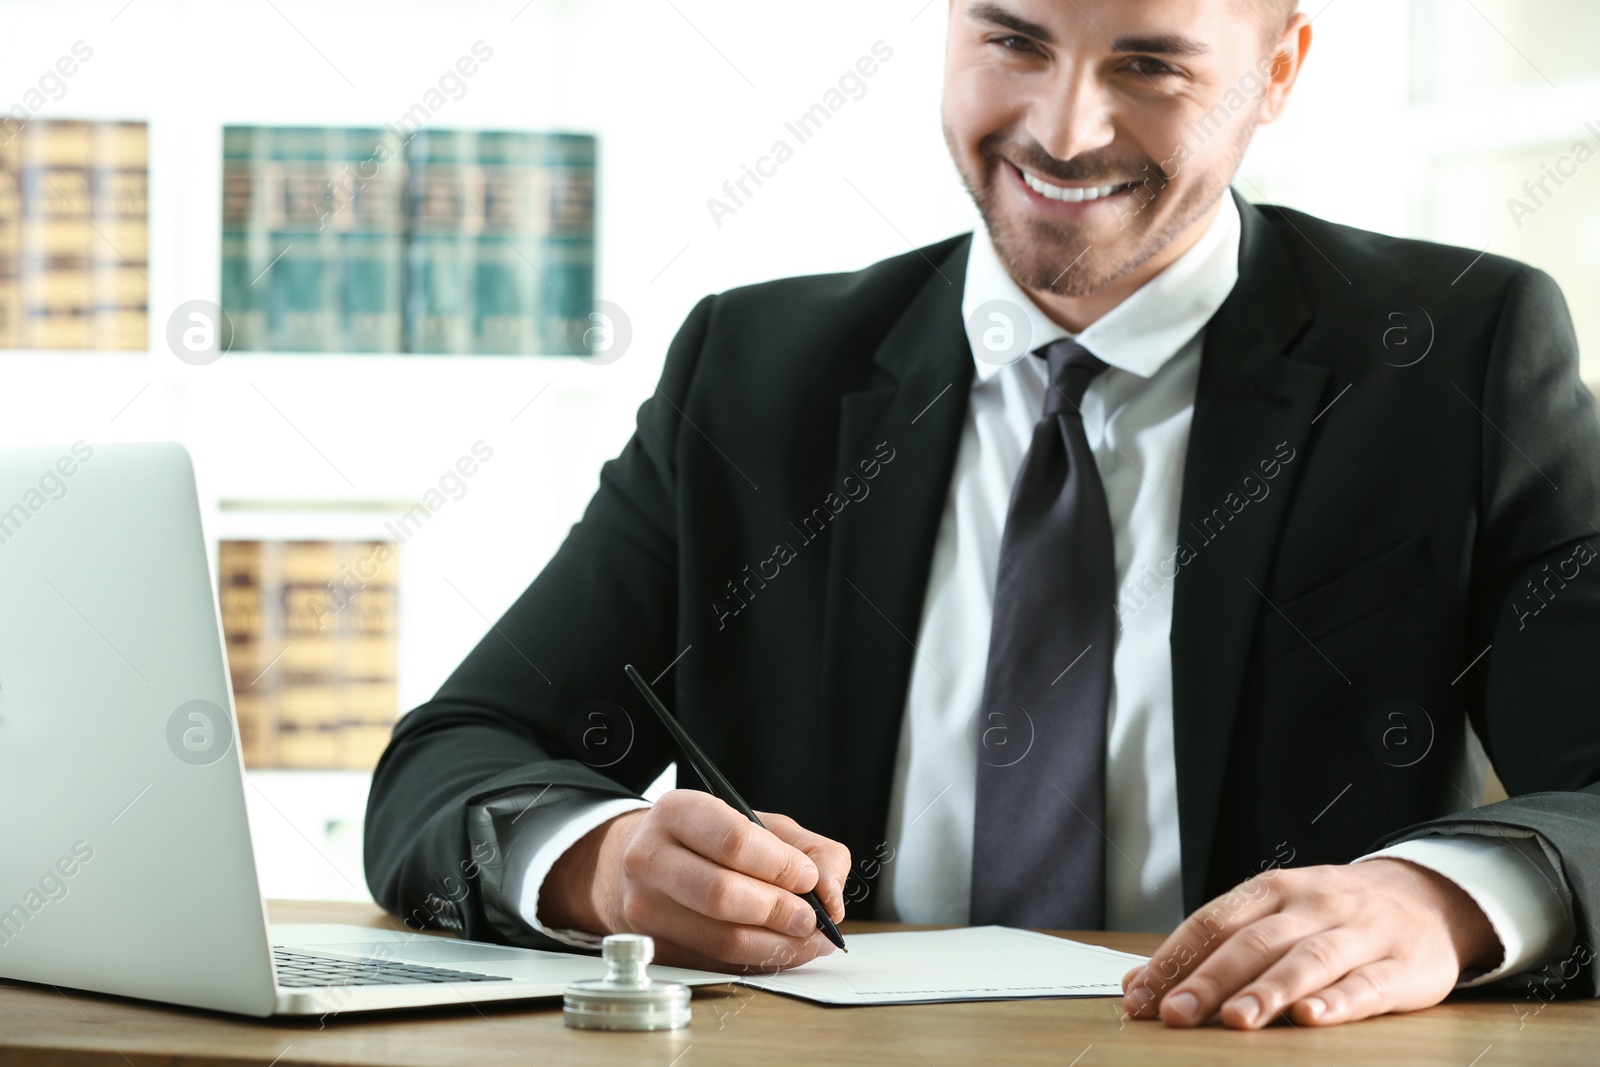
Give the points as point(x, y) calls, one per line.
point(333, 240)
point(74, 235)
point(312, 634)
point(364, 240)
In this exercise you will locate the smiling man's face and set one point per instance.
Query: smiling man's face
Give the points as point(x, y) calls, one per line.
point(1094, 135)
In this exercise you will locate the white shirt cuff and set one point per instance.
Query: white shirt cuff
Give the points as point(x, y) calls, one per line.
point(540, 837)
point(1523, 895)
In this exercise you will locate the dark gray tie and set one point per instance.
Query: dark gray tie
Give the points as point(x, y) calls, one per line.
point(1038, 855)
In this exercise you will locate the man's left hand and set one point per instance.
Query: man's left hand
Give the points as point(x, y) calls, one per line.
point(1323, 945)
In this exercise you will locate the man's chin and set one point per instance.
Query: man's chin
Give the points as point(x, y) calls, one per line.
point(1077, 259)
point(1066, 268)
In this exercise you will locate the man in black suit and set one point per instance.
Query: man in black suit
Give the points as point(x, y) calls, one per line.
point(1372, 554)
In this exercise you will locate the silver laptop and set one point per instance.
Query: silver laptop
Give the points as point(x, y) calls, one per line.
point(125, 858)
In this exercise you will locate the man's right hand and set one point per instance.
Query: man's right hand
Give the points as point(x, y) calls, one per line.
point(715, 891)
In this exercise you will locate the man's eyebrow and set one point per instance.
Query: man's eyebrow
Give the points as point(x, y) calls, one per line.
point(1163, 44)
point(1001, 17)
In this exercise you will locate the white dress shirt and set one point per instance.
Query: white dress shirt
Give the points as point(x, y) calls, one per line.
point(1136, 415)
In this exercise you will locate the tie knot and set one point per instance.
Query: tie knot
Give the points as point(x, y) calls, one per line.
point(1072, 368)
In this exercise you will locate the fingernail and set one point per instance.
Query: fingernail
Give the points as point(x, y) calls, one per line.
point(828, 948)
point(1183, 1005)
point(1246, 1008)
point(1315, 1006)
point(802, 923)
point(1138, 1001)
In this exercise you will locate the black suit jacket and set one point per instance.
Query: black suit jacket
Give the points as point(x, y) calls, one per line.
point(1357, 533)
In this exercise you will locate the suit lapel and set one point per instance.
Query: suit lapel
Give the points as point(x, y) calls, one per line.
point(882, 545)
point(1252, 405)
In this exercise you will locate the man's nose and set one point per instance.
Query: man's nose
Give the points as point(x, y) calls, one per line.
point(1072, 116)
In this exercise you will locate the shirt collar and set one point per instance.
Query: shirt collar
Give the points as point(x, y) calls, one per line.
point(1140, 334)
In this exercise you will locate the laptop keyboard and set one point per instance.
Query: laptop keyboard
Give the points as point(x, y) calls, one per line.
point(300, 970)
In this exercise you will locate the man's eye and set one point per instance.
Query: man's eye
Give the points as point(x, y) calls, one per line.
point(1014, 43)
point(1149, 67)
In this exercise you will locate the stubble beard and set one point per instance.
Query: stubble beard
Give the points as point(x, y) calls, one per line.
point(1057, 258)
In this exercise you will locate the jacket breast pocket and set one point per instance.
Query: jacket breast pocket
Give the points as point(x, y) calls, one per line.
point(1345, 599)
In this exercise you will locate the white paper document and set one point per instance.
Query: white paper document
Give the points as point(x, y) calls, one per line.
point(936, 966)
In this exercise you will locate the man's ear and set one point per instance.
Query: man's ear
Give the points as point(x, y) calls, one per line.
point(1287, 59)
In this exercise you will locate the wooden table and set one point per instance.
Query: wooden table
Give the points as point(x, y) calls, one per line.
point(734, 1025)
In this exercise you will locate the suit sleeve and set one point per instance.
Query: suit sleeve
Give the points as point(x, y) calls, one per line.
point(538, 711)
point(1534, 698)
point(532, 850)
point(1514, 884)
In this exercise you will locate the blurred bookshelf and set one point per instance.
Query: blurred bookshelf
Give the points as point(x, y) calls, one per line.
point(310, 628)
point(74, 234)
point(390, 240)
point(303, 455)
point(334, 414)
point(311, 636)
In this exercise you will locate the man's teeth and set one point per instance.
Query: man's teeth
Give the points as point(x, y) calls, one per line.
point(1058, 192)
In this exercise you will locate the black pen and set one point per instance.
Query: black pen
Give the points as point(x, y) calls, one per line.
point(721, 788)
